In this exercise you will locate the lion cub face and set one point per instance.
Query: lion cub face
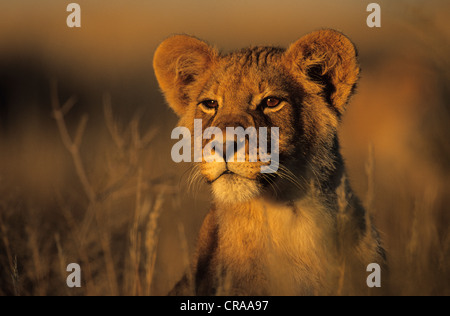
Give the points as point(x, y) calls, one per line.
point(247, 89)
point(301, 91)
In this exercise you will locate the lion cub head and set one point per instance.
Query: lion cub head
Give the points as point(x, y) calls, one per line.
point(302, 91)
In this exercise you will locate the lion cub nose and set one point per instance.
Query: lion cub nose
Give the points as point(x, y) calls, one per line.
point(231, 147)
point(233, 143)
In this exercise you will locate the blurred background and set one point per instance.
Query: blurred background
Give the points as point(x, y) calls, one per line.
point(98, 187)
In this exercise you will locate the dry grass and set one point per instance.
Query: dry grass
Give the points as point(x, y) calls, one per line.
point(111, 229)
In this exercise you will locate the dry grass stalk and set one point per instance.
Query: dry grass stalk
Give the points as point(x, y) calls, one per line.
point(14, 271)
point(62, 260)
point(342, 220)
point(40, 265)
point(129, 145)
point(73, 146)
point(151, 241)
point(186, 256)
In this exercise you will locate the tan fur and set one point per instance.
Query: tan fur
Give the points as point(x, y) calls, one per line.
point(301, 230)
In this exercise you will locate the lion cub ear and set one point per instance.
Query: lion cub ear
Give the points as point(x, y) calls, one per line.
point(178, 63)
point(325, 62)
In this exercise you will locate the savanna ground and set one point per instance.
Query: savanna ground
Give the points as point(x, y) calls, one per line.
point(85, 168)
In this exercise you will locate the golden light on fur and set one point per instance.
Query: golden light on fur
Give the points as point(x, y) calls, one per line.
point(279, 233)
point(141, 239)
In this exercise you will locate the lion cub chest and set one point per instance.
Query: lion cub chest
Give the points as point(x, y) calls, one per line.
point(265, 248)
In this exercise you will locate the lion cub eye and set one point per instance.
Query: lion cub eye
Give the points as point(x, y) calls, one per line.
point(210, 104)
point(271, 102)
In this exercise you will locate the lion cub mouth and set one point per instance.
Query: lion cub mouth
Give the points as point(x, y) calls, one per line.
point(225, 173)
point(233, 182)
point(233, 188)
point(229, 173)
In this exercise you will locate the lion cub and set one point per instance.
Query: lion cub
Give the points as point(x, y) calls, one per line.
point(299, 230)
